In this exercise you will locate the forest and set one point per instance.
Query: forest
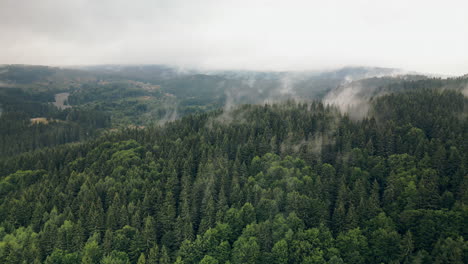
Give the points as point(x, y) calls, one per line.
point(287, 182)
point(28, 121)
point(233, 132)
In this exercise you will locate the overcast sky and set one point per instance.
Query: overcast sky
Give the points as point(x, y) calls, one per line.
point(421, 35)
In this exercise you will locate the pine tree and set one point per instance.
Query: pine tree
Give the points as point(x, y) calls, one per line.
point(406, 247)
point(280, 252)
point(141, 259)
point(164, 259)
point(339, 218)
point(153, 255)
point(209, 260)
point(91, 252)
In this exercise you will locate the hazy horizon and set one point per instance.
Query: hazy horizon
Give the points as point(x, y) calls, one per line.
point(421, 36)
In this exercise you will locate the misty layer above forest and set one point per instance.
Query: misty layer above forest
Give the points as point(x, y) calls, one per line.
point(101, 98)
point(140, 95)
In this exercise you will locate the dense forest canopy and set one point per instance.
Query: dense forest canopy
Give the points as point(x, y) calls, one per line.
point(297, 181)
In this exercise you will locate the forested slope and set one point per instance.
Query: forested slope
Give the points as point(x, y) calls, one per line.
point(19, 132)
point(283, 183)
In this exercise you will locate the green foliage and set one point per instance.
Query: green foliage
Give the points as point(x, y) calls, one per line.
point(115, 257)
point(282, 183)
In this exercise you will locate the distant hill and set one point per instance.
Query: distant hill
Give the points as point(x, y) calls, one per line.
point(143, 94)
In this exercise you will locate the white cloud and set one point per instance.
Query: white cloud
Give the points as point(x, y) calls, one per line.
point(427, 36)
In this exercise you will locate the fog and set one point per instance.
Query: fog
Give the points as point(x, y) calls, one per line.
point(421, 35)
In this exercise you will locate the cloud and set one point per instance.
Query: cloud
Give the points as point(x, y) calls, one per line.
point(426, 36)
point(349, 99)
point(353, 96)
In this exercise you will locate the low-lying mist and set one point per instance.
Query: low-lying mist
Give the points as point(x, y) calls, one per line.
point(342, 88)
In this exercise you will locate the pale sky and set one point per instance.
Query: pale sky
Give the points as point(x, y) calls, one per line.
point(418, 35)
